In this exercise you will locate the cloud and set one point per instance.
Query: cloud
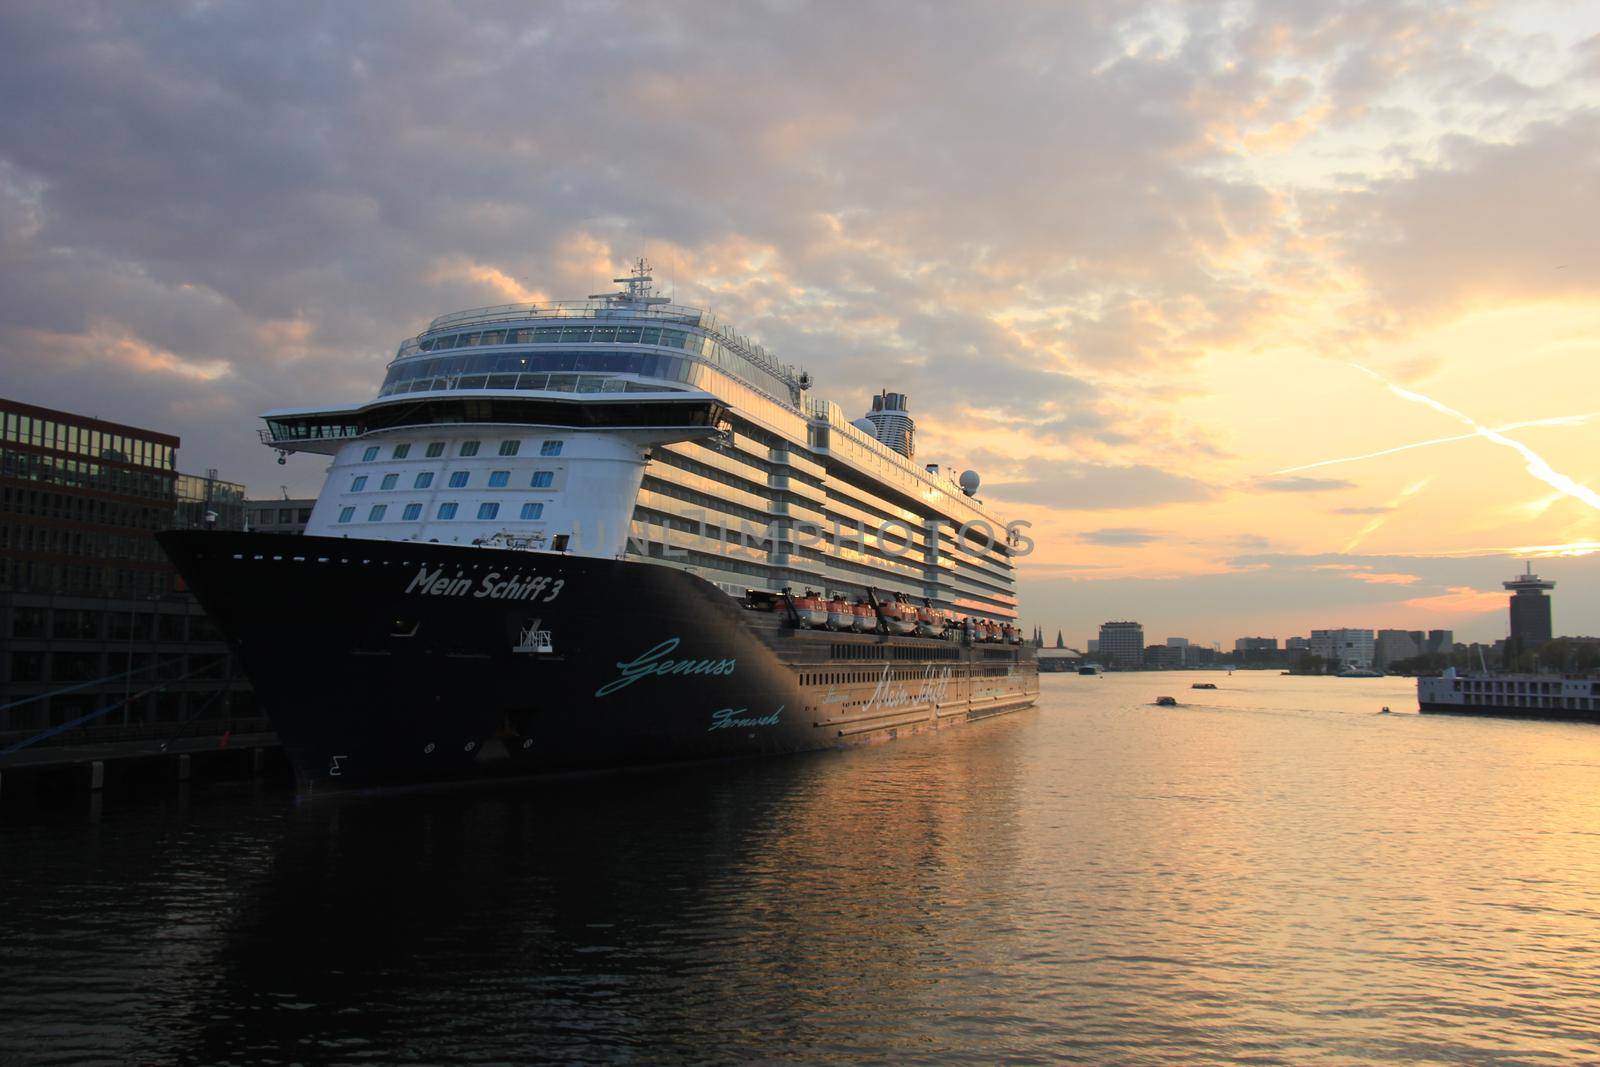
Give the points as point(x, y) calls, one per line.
point(1459, 600)
point(1375, 509)
point(1118, 537)
point(1074, 486)
point(1303, 485)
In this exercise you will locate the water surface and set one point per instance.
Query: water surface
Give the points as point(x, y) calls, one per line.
point(1272, 872)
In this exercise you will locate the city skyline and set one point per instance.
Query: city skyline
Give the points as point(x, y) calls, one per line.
point(1268, 318)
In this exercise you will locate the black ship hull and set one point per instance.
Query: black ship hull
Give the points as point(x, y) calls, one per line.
point(387, 663)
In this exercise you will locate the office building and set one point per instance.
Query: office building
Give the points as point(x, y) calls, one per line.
point(1122, 644)
point(1392, 646)
point(85, 591)
point(1343, 648)
point(288, 516)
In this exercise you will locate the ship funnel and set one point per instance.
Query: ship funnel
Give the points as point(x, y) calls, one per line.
point(892, 424)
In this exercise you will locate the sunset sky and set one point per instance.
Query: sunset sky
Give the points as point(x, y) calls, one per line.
point(1270, 316)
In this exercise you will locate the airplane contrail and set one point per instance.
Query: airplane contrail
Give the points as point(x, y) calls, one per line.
point(1534, 463)
point(1377, 521)
point(1558, 420)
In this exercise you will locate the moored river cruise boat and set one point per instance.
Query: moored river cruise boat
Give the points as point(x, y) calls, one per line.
point(610, 532)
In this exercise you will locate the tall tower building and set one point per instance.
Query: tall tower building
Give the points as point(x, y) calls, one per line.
point(1530, 610)
point(1122, 644)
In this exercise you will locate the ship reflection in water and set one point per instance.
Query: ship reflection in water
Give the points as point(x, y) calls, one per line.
point(1276, 872)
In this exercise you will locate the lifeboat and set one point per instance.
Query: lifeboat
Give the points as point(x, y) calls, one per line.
point(861, 617)
point(840, 615)
point(900, 617)
point(812, 609)
point(927, 625)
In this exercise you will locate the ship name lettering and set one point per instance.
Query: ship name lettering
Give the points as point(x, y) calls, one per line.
point(727, 718)
point(493, 586)
point(653, 662)
point(933, 688)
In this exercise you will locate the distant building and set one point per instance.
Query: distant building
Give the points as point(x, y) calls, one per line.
point(278, 516)
point(1392, 646)
point(1344, 647)
point(1255, 644)
point(1530, 610)
point(1092, 645)
point(1298, 644)
point(1440, 642)
point(1122, 644)
point(1059, 642)
point(86, 594)
point(1164, 657)
point(1177, 642)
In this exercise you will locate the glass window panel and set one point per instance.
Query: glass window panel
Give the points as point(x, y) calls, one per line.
point(488, 511)
point(458, 480)
point(424, 480)
point(542, 479)
point(627, 335)
point(499, 479)
point(447, 511)
point(469, 448)
point(358, 484)
point(388, 481)
point(412, 512)
point(346, 514)
point(532, 511)
point(402, 451)
point(377, 512)
point(510, 448)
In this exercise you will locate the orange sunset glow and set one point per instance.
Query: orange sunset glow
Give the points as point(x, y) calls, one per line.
point(1266, 316)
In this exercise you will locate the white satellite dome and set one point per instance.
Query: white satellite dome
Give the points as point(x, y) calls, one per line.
point(865, 424)
point(969, 482)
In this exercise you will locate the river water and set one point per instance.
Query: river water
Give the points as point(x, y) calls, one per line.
point(1271, 872)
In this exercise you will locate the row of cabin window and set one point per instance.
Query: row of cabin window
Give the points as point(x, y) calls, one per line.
point(458, 480)
point(468, 448)
point(413, 512)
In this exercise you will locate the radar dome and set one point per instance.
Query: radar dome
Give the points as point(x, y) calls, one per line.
point(865, 425)
point(969, 482)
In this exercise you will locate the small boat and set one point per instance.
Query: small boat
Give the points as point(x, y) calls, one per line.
point(1204, 685)
point(840, 615)
point(1385, 710)
point(1167, 702)
point(1359, 672)
point(861, 617)
point(812, 610)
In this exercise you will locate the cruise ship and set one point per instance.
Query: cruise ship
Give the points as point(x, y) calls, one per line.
point(604, 533)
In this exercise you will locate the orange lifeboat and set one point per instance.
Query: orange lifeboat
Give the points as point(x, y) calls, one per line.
point(812, 609)
point(861, 617)
point(840, 614)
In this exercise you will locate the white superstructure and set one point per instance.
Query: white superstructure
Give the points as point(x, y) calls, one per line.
point(624, 425)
